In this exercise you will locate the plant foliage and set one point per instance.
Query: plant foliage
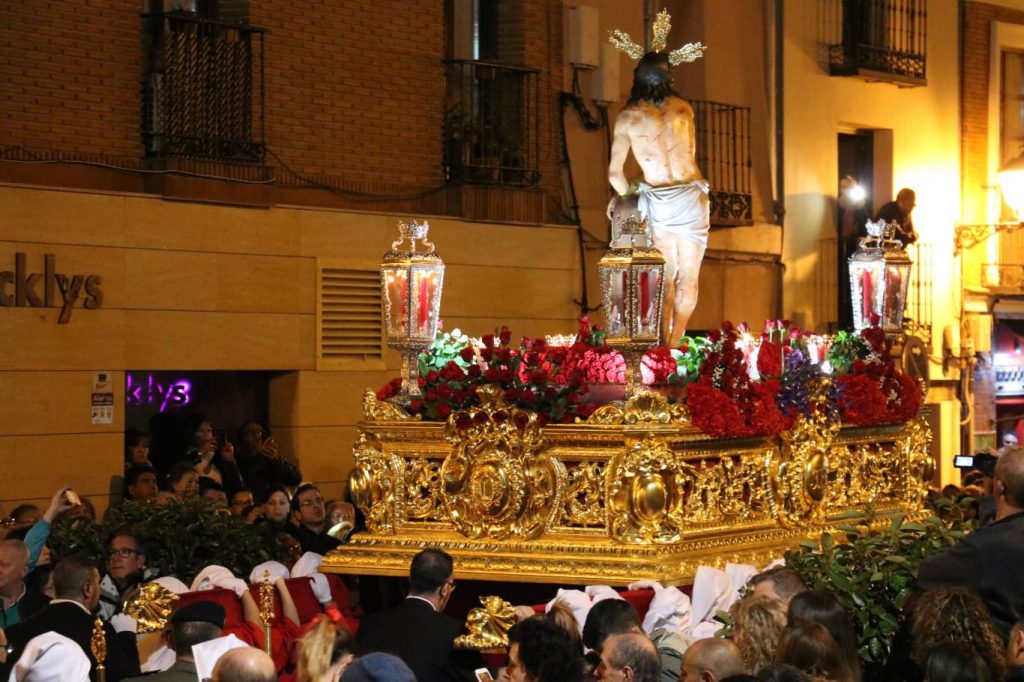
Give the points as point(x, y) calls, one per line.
point(182, 537)
point(873, 571)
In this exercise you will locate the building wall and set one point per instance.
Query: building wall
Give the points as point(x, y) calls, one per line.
point(925, 127)
point(202, 287)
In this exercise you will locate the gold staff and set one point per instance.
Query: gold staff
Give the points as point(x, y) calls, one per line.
point(266, 608)
point(99, 649)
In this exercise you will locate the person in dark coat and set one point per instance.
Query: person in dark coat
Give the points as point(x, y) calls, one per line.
point(76, 583)
point(417, 631)
point(899, 212)
point(988, 560)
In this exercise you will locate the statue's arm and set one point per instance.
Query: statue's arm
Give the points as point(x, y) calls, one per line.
point(617, 160)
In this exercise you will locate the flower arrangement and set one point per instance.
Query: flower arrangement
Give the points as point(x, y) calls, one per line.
point(737, 384)
point(872, 391)
point(532, 376)
point(724, 401)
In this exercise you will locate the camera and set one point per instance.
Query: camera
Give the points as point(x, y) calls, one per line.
point(983, 462)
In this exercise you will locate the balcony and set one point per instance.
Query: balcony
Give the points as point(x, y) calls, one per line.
point(202, 92)
point(878, 40)
point(491, 124)
point(723, 155)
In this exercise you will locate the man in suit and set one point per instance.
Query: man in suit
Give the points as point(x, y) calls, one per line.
point(988, 560)
point(193, 624)
point(416, 630)
point(76, 584)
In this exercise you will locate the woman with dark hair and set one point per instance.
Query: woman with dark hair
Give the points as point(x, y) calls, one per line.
point(277, 507)
point(959, 616)
point(953, 662)
point(824, 609)
point(809, 646)
point(136, 448)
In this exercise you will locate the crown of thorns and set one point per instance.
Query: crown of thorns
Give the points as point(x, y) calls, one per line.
point(659, 33)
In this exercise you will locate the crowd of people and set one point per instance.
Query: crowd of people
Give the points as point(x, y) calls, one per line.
point(965, 623)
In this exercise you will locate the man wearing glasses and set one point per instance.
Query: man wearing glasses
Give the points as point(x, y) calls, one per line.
point(126, 568)
point(417, 631)
point(309, 520)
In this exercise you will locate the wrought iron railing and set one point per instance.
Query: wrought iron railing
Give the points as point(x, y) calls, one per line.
point(723, 154)
point(877, 38)
point(492, 123)
point(203, 88)
point(918, 315)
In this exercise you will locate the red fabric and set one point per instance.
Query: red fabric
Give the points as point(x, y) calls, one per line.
point(282, 634)
point(226, 598)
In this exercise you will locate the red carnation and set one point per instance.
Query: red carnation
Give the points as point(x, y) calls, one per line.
point(467, 354)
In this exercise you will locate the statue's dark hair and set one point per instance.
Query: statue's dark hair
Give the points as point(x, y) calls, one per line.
point(652, 80)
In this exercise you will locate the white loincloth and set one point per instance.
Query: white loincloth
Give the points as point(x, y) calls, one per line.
point(682, 210)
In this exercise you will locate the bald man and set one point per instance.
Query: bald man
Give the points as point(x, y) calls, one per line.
point(711, 660)
point(988, 560)
point(629, 657)
point(245, 664)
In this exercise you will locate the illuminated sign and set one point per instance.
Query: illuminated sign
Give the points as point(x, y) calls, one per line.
point(149, 391)
point(20, 288)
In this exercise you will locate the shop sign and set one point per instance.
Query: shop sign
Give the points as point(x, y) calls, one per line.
point(147, 390)
point(20, 288)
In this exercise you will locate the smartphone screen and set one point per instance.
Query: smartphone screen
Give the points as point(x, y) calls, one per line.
point(483, 675)
point(963, 461)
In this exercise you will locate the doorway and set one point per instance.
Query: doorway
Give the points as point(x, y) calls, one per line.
point(854, 209)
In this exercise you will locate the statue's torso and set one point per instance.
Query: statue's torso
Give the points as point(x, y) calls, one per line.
point(661, 138)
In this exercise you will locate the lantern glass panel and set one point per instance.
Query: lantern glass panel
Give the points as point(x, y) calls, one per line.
point(396, 282)
point(616, 283)
point(648, 283)
point(426, 294)
point(867, 288)
point(896, 280)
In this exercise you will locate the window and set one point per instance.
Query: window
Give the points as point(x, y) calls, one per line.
point(878, 39)
point(203, 87)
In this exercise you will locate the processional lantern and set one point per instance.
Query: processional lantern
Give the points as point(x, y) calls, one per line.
point(879, 276)
point(632, 291)
point(411, 280)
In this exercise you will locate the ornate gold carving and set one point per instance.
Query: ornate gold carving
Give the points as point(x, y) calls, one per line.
point(373, 484)
point(646, 407)
point(487, 627)
point(499, 480)
point(382, 411)
point(150, 607)
point(584, 499)
point(422, 481)
point(616, 501)
point(798, 471)
point(646, 489)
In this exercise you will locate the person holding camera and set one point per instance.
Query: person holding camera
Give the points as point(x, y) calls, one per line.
point(988, 560)
point(261, 463)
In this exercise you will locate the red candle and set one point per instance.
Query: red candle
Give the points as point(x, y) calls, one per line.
point(865, 294)
point(645, 296)
point(424, 297)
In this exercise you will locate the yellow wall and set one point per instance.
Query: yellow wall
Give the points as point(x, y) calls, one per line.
point(210, 287)
point(925, 129)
